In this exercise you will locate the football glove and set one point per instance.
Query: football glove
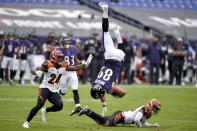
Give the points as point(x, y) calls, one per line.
point(88, 61)
point(38, 73)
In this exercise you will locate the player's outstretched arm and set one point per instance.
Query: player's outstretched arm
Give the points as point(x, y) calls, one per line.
point(75, 68)
point(137, 119)
point(139, 123)
point(38, 71)
point(117, 34)
point(79, 67)
point(146, 124)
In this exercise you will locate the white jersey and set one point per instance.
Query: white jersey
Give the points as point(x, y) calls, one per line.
point(129, 116)
point(52, 76)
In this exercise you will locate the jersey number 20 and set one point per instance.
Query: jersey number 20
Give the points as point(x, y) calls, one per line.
point(53, 79)
point(106, 75)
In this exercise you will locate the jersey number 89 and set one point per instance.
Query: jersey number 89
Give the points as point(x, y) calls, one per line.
point(106, 75)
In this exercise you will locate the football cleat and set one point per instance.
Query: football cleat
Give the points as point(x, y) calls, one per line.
point(86, 111)
point(76, 110)
point(43, 110)
point(11, 82)
point(26, 124)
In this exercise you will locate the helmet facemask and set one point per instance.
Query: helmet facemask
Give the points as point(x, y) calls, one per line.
point(60, 60)
point(65, 42)
point(97, 91)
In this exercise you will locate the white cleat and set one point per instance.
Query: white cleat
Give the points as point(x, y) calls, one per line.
point(196, 85)
point(103, 6)
point(26, 124)
point(44, 114)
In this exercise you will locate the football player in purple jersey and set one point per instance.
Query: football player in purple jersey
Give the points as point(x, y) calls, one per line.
point(8, 51)
point(105, 81)
point(2, 37)
point(70, 78)
point(30, 57)
point(24, 48)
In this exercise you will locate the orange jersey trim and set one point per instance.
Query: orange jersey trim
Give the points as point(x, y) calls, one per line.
point(64, 65)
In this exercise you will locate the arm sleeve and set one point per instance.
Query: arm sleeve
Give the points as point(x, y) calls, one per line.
point(146, 124)
point(137, 119)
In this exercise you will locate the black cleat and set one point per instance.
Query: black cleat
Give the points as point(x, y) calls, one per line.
point(76, 110)
point(86, 110)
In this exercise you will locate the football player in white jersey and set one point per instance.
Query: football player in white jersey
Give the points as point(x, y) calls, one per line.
point(70, 77)
point(53, 71)
point(138, 116)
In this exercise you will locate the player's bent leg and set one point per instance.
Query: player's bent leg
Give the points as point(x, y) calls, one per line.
point(87, 111)
point(115, 119)
point(56, 100)
point(118, 92)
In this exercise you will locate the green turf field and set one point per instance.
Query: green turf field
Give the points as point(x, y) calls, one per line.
point(178, 111)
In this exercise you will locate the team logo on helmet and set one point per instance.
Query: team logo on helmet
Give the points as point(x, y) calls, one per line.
point(154, 105)
point(57, 56)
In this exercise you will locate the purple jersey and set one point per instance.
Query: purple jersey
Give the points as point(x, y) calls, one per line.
point(69, 55)
point(10, 47)
point(24, 46)
point(33, 42)
point(108, 74)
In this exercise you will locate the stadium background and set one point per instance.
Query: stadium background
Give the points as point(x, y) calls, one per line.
point(173, 18)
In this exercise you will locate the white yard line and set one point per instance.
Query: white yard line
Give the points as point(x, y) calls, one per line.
point(49, 124)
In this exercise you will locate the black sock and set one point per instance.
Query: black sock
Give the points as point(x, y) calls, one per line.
point(1, 73)
point(22, 74)
point(105, 24)
point(76, 96)
point(12, 74)
point(6, 75)
point(99, 119)
point(33, 112)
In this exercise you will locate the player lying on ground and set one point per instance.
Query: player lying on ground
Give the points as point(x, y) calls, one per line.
point(105, 81)
point(53, 71)
point(137, 116)
point(70, 77)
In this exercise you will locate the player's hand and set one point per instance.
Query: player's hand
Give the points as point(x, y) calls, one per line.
point(38, 73)
point(88, 61)
point(104, 110)
point(116, 30)
point(156, 125)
